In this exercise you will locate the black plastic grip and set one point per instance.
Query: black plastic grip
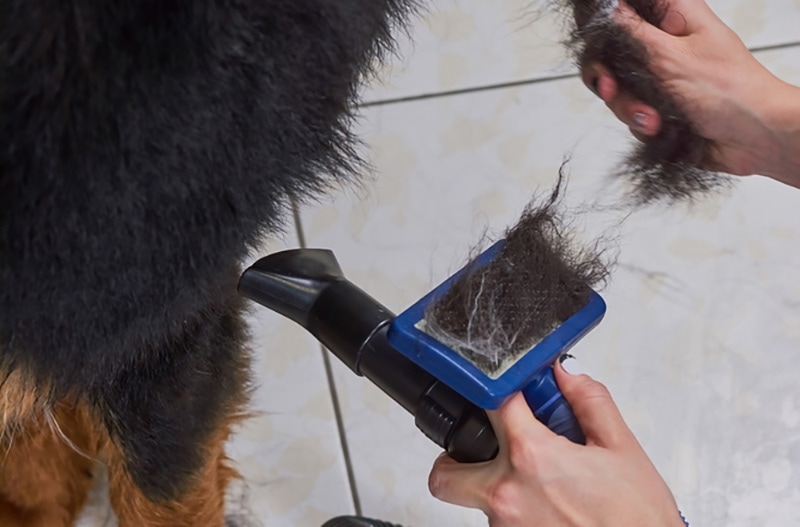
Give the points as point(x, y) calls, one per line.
point(308, 287)
point(443, 415)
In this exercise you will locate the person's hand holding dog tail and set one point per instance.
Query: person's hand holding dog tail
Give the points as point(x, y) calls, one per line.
point(540, 478)
point(752, 116)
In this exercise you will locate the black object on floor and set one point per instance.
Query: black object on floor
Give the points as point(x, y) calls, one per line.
point(356, 521)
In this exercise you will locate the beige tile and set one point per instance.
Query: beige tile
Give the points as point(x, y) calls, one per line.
point(700, 345)
point(460, 44)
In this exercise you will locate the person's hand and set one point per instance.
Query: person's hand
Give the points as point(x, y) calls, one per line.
point(539, 478)
point(732, 100)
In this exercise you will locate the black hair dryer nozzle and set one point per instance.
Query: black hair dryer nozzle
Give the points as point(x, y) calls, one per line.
point(308, 287)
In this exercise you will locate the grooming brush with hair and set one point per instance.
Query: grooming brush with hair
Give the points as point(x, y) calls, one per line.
point(673, 164)
point(497, 326)
point(493, 329)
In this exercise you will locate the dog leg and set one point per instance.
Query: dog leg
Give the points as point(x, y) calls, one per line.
point(46, 469)
point(202, 504)
point(169, 415)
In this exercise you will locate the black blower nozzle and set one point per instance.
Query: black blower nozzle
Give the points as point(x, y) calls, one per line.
point(309, 287)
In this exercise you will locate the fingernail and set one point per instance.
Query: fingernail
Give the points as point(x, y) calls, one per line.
point(639, 121)
point(571, 365)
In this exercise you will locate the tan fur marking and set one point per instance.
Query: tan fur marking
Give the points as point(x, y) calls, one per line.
point(20, 401)
point(202, 506)
point(43, 480)
point(47, 452)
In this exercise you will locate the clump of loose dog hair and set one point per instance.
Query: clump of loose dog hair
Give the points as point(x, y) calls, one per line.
point(673, 165)
point(540, 277)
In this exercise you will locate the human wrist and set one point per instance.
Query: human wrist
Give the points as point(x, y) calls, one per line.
point(778, 151)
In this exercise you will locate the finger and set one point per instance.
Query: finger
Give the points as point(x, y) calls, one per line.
point(644, 121)
point(596, 412)
point(460, 484)
point(515, 423)
point(599, 80)
point(640, 118)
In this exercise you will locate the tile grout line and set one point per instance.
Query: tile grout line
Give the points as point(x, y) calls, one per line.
point(337, 411)
point(523, 82)
point(466, 91)
point(773, 47)
point(326, 361)
point(298, 225)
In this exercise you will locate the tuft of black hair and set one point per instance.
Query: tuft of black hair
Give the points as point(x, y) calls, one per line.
point(674, 165)
point(540, 277)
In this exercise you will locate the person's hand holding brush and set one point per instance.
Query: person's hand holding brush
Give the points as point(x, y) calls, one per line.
point(542, 479)
point(752, 119)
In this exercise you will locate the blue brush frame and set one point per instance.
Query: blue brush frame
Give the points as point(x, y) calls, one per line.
point(463, 376)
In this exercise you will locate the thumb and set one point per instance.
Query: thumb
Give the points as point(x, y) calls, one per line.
point(591, 402)
point(459, 483)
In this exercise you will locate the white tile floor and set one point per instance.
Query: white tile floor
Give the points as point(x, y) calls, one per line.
point(702, 339)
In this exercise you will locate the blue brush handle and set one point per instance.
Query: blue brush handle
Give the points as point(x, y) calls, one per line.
point(551, 408)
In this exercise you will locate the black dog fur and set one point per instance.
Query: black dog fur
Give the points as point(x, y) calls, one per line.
point(147, 146)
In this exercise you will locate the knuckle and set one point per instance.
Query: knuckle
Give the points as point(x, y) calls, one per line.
point(504, 502)
point(588, 388)
point(596, 389)
point(522, 454)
